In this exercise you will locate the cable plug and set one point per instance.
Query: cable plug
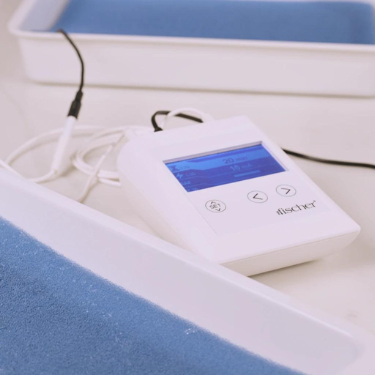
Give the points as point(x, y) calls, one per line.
point(75, 107)
point(60, 157)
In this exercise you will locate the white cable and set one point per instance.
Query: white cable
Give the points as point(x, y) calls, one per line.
point(41, 139)
point(93, 178)
point(47, 177)
point(9, 168)
point(205, 117)
point(99, 137)
point(59, 157)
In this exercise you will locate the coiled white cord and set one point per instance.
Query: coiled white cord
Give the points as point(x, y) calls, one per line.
point(106, 137)
point(99, 137)
point(205, 117)
point(43, 138)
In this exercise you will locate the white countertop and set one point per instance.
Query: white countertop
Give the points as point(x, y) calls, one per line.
point(341, 128)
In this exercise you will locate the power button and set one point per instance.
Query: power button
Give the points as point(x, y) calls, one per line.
point(215, 206)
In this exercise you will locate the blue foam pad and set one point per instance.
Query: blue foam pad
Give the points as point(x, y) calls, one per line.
point(331, 22)
point(57, 318)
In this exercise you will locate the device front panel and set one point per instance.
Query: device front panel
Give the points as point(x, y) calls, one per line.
point(243, 188)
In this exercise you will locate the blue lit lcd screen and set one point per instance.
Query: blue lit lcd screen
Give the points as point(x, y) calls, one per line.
point(225, 167)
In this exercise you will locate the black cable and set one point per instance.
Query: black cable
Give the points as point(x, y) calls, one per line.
point(289, 152)
point(75, 107)
point(329, 161)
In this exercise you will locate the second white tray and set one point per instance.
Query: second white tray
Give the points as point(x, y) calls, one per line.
point(183, 63)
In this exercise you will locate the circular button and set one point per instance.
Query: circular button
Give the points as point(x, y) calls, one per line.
point(216, 206)
point(286, 190)
point(257, 196)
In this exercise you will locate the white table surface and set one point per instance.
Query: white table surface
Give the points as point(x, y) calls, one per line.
point(343, 128)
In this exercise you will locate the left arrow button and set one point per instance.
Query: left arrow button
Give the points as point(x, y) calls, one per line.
point(257, 196)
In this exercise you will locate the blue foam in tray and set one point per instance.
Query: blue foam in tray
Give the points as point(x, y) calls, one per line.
point(57, 318)
point(326, 22)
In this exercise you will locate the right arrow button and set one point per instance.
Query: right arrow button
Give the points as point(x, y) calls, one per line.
point(286, 190)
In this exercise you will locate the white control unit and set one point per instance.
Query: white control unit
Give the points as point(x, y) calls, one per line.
point(223, 190)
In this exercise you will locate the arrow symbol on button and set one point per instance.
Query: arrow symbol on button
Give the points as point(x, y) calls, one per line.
point(287, 191)
point(255, 196)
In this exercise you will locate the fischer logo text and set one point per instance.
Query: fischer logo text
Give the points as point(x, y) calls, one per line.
point(296, 208)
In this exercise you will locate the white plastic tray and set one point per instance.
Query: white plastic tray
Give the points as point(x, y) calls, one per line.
point(183, 63)
point(230, 305)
